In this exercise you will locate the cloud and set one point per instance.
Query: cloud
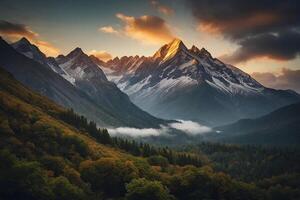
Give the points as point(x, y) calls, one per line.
point(108, 29)
point(135, 132)
point(162, 8)
point(284, 46)
point(147, 29)
point(188, 127)
point(288, 79)
point(14, 31)
point(46, 47)
point(261, 28)
point(102, 55)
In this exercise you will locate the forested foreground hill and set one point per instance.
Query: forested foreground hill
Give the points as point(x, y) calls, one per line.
point(48, 152)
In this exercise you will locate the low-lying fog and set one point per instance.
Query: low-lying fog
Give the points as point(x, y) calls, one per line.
point(189, 127)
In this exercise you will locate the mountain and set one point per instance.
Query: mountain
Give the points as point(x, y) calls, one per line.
point(50, 153)
point(44, 80)
point(90, 79)
point(280, 127)
point(31, 51)
point(72, 93)
point(181, 83)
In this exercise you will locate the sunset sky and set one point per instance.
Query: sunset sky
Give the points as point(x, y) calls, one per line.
point(262, 38)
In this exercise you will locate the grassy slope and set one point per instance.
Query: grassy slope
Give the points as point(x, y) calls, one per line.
point(15, 95)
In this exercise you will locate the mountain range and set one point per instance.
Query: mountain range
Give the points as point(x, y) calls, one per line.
point(174, 83)
point(189, 84)
point(73, 81)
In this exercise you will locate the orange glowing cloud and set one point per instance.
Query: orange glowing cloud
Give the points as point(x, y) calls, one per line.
point(47, 48)
point(102, 55)
point(14, 32)
point(147, 29)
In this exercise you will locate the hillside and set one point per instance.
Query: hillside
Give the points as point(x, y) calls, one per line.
point(280, 127)
point(43, 156)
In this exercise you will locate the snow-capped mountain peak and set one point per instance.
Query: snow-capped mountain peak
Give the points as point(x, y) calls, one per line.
point(30, 50)
point(182, 83)
point(80, 66)
point(202, 53)
point(174, 63)
point(76, 52)
point(24, 41)
point(170, 50)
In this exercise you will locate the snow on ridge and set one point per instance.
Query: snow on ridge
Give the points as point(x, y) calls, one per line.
point(163, 86)
point(109, 73)
point(28, 54)
point(69, 78)
point(233, 88)
point(138, 86)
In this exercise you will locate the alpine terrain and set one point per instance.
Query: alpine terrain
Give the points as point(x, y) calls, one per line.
point(181, 83)
point(73, 81)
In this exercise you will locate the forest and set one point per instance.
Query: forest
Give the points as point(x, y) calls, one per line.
point(48, 152)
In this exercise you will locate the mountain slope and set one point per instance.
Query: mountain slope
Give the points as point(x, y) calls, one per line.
point(49, 83)
point(181, 83)
point(44, 157)
point(88, 80)
point(91, 79)
point(31, 51)
point(45, 81)
point(280, 127)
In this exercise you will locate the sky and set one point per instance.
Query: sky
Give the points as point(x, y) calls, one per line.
point(262, 38)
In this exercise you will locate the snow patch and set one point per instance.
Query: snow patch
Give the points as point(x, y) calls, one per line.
point(138, 86)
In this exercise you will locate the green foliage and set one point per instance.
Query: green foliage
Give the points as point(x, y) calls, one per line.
point(147, 190)
point(108, 175)
point(250, 163)
point(64, 190)
point(158, 160)
point(203, 183)
point(22, 180)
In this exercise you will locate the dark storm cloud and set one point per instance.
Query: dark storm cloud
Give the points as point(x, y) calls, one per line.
point(288, 79)
point(282, 46)
point(13, 29)
point(260, 28)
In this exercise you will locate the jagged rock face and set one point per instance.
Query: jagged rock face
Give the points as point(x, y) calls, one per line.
point(31, 51)
point(79, 66)
point(47, 82)
point(89, 80)
point(181, 83)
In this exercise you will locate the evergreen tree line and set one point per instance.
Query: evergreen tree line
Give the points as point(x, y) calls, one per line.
point(250, 162)
point(130, 146)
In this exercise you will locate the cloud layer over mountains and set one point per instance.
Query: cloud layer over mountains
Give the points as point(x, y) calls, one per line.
point(189, 127)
